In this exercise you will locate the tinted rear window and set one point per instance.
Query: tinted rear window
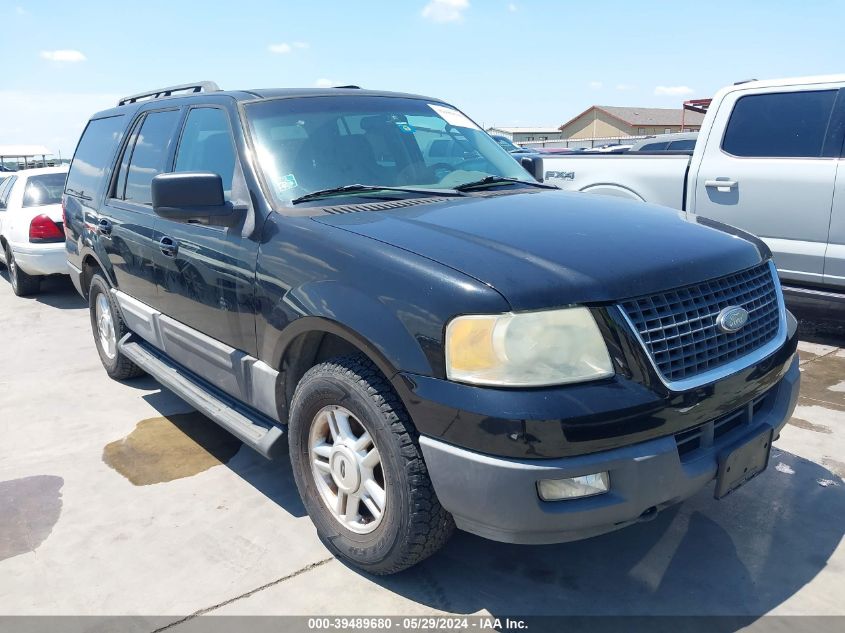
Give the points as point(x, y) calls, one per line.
point(790, 125)
point(91, 160)
point(44, 189)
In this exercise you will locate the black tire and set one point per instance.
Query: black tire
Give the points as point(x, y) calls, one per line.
point(119, 367)
point(414, 525)
point(23, 284)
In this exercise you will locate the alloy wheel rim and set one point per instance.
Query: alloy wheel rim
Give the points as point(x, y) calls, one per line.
point(13, 269)
point(347, 469)
point(105, 326)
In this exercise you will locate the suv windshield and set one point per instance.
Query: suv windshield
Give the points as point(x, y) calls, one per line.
point(314, 144)
point(44, 189)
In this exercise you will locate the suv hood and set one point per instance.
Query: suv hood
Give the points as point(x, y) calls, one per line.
point(548, 248)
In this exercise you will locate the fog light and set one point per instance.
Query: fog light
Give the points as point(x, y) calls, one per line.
point(574, 487)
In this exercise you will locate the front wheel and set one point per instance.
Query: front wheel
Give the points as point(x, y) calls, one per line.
point(108, 328)
point(360, 471)
point(23, 284)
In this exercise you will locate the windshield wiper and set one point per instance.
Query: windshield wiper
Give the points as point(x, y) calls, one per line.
point(353, 189)
point(499, 180)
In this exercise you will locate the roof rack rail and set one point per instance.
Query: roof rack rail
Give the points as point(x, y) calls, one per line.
point(200, 86)
point(743, 81)
point(349, 86)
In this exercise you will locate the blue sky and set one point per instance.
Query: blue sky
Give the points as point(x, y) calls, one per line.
point(504, 62)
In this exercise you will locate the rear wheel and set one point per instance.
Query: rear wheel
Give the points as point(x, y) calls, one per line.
point(360, 471)
point(22, 284)
point(108, 328)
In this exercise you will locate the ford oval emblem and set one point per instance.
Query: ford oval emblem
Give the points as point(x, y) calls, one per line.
point(732, 318)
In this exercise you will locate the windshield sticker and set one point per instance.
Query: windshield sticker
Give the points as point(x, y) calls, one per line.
point(283, 183)
point(405, 127)
point(452, 116)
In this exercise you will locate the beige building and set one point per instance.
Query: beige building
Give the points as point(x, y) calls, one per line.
point(614, 122)
point(527, 134)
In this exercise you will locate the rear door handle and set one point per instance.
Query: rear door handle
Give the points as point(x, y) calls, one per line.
point(721, 185)
point(104, 227)
point(168, 246)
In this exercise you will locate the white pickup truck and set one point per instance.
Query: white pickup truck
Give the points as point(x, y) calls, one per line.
point(766, 161)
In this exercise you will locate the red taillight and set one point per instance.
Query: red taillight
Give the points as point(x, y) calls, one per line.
point(43, 228)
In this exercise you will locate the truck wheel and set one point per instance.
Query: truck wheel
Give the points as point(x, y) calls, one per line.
point(23, 284)
point(109, 328)
point(360, 471)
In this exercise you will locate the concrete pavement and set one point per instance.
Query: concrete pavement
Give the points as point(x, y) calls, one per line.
point(116, 499)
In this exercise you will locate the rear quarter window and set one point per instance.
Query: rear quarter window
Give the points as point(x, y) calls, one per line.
point(93, 154)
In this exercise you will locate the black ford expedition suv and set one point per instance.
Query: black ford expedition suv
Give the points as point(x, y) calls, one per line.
point(437, 342)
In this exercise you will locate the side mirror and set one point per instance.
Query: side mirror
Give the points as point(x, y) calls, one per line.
point(193, 197)
point(533, 165)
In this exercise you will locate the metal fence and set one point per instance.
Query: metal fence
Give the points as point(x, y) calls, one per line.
point(15, 163)
point(576, 143)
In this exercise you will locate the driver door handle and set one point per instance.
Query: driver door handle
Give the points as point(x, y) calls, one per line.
point(721, 185)
point(104, 227)
point(168, 246)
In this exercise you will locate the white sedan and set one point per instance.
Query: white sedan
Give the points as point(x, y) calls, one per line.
point(32, 239)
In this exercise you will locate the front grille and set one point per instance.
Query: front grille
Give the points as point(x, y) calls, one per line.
point(678, 327)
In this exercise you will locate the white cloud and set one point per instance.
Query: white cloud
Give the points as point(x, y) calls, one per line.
point(445, 10)
point(595, 85)
point(625, 87)
point(20, 11)
point(282, 48)
point(63, 55)
point(673, 91)
point(324, 83)
point(513, 8)
point(33, 118)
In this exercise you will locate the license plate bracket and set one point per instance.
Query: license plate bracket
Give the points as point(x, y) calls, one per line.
point(743, 461)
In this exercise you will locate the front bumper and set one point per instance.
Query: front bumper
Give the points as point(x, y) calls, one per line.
point(41, 259)
point(497, 497)
point(628, 408)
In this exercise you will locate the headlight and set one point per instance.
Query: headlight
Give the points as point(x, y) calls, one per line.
point(528, 349)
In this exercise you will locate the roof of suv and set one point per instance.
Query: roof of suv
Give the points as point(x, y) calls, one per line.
point(265, 93)
point(273, 93)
